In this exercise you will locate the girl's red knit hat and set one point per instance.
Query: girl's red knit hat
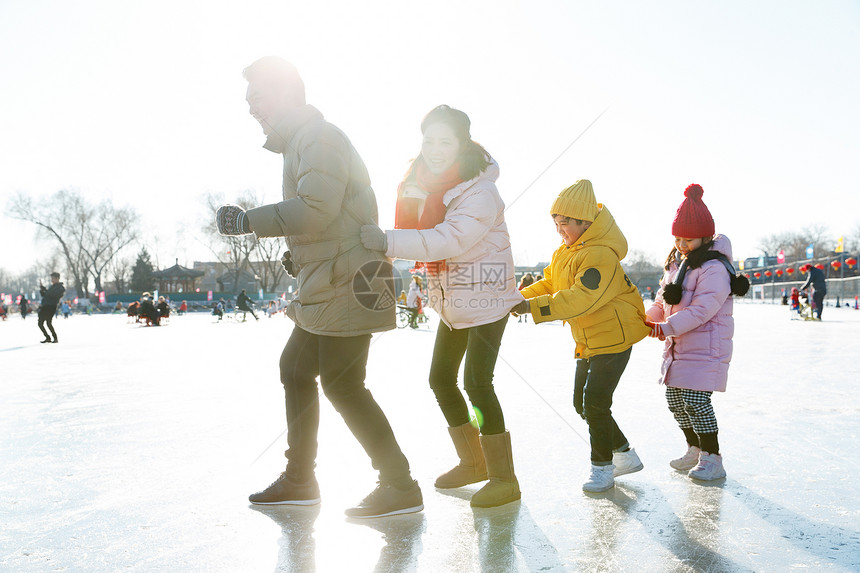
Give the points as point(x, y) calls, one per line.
point(693, 220)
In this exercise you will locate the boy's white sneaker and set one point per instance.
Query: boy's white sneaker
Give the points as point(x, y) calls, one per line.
point(710, 467)
point(626, 462)
point(601, 479)
point(688, 461)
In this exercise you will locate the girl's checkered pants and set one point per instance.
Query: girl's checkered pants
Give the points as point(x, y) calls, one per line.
point(692, 409)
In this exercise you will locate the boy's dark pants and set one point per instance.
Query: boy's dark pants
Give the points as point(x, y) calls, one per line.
point(340, 363)
point(597, 378)
point(46, 316)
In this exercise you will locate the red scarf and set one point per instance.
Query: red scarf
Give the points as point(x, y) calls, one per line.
point(406, 209)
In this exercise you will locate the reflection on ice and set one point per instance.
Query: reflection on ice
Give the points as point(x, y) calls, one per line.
point(402, 537)
point(297, 546)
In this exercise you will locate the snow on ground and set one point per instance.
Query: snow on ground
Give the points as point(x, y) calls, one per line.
point(133, 448)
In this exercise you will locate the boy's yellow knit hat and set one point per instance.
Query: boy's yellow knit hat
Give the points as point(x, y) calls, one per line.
point(576, 202)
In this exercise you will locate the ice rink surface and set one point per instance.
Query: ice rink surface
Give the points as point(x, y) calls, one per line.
point(127, 448)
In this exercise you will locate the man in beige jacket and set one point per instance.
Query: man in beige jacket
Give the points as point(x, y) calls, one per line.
point(345, 291)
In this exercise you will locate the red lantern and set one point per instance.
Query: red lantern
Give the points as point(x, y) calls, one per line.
point(819, 266)
point(835, 265)
point(779, 272)
point(790, 270)
point(851, 262)
point(768, 273)
point(757, 275)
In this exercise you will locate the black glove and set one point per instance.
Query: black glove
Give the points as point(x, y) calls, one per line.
point(287, 262)
point(579, 396)
point(231, 220)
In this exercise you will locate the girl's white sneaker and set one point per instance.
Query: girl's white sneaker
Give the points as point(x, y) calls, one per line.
point(688, 461)
point(710, 467)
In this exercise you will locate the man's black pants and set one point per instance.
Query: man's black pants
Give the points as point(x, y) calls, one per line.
point(46, 316)
point(340, 363)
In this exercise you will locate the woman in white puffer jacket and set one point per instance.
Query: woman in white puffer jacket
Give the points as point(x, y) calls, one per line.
point(450, 215)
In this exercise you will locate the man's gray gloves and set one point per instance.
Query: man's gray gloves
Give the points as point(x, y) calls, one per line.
point(373, 238)
point(287, 263)
point(231, 220)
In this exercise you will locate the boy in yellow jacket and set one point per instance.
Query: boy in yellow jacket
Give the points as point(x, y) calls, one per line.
point(586, 287)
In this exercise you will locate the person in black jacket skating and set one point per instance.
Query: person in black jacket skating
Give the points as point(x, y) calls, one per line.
point(51, 297)
point(245, 304)
point(819, 289)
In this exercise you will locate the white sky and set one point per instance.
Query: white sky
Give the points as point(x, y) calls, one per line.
point(144, 103)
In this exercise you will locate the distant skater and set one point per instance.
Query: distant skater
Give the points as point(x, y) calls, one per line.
point(816, 280)
point(585, 286)
point(51, 297)
point(245, 304)
point(413, 301)
point(693, 314)
point(24, 306)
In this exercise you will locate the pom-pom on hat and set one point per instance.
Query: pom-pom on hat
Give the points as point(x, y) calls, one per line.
point(577, 202)
point(693, 220)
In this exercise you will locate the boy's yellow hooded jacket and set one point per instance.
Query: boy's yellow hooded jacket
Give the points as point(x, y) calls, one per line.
point(586, 287)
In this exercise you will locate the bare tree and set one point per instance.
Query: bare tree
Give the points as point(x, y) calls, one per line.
point(785, 241)
point(642, 271)
point(119, 269)
point(89, 236)
point(852, 239)
point(819, 238)
point(270, 270)
point(5, 281)
point(110, 233)
point(795, 243)
point(60, 217)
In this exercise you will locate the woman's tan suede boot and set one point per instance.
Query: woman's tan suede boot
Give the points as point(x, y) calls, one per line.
point(503, 487)
point(472, 467)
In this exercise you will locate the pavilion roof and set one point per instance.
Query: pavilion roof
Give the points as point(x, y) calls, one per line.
point(177, 271)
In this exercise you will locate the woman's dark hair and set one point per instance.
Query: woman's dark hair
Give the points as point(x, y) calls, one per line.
point(474, 159)
point(695, 258)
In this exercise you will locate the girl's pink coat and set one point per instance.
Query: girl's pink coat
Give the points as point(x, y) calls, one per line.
point(698, 329)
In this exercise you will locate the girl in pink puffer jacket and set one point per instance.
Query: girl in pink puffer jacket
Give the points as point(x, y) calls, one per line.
point(693, 314)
